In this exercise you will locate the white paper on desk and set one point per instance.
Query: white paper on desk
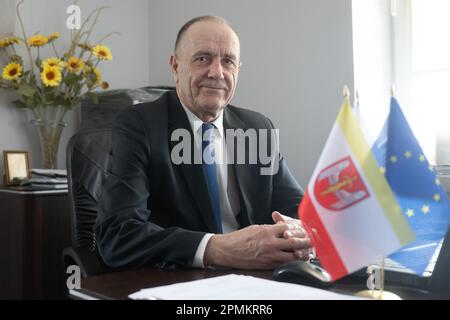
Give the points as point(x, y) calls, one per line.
point(236, 287)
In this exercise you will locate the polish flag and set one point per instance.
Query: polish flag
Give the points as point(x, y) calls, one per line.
point(349, 210)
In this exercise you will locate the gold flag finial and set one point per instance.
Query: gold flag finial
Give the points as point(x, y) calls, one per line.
point(393, 90)
point(346, 92)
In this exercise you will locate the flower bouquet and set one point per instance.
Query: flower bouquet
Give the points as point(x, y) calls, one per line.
point(52, 85)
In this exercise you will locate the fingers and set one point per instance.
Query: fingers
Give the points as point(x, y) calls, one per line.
point(284, 257)
point(297, 233)
point(279, 229)
point(299, 243)
point(292, 244)
point(292, 223)
point(289, 230)
point(304, 255)
point(277, 217)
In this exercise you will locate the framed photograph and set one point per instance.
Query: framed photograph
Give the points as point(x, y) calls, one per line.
point(17, 166)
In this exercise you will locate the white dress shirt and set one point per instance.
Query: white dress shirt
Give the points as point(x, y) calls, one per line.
point(226, 181)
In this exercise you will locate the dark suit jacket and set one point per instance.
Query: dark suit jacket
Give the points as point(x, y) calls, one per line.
point(153, 212)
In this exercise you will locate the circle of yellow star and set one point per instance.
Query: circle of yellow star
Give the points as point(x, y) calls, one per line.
point(383, 170)
point(422, 158)
point(410, 213)
point(437, 197)
point(393, 159)
point(425, 209)
point(437, 182)
point(408, 154)
point(430, 167)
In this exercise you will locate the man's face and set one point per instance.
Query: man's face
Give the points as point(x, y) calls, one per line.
point(206, 67)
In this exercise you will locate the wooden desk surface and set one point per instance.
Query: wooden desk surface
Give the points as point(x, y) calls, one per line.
point(120, 285)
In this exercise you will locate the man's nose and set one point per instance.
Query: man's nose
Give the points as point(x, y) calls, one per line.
point(216, 69)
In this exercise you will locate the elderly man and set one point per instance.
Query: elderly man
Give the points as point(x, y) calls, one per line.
point(157, 211)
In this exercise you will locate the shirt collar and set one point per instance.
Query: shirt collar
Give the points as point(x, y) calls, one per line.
point(196, 122)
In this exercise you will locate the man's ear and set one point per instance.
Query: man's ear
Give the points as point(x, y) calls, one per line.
point(239, 66)
point(174, 66)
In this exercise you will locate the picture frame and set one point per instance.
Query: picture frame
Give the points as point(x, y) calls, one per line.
point(17, 166)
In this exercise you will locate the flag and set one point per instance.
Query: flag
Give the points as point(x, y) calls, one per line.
point(349, 210)
point(423, 201)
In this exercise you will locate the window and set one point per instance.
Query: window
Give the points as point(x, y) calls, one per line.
point(421, 34)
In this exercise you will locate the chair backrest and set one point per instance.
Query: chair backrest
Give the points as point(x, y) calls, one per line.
point(88, 155)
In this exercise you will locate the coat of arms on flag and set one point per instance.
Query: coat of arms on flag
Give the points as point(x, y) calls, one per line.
point(339, 185)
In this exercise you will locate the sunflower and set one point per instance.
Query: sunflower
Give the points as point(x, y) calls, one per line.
point(8, 41)
point(102, 52)
point(12, 40)
point(53, 36)
point(53, 62)
point(51, 76)
point(85, 46)
point(105, 85)
point(75, 64)
point(89, 71)
point(12, 71)
point(37, 41)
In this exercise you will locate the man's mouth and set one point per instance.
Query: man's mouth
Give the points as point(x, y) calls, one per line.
point(213, 88)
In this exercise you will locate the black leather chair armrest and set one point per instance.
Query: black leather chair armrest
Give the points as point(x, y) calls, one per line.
point(87, 261)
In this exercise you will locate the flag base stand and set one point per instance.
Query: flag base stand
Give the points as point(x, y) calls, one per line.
point(377, 295)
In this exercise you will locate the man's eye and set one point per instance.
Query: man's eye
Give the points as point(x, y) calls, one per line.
point(230, 62)
point(202, 59)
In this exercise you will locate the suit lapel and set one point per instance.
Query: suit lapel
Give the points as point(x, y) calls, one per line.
point(192, 173)
point(242, 172)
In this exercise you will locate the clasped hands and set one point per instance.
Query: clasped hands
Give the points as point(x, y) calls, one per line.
point(260, 246)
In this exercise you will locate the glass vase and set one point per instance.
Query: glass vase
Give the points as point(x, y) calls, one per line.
point(49, 134)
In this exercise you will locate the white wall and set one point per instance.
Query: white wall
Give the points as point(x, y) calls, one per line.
point(297, 55)
point(129, 68)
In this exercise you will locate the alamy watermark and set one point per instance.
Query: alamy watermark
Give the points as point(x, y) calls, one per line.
point(251, 146)
point(73, 22)
point(374, 279)
point(74, 279)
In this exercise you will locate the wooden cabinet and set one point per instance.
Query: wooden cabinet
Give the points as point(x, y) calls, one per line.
point(34, 229)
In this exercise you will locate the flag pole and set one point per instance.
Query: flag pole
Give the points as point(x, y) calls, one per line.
point(356, 97)
point(382, 278)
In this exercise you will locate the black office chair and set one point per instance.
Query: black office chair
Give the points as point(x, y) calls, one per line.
point(88, 155)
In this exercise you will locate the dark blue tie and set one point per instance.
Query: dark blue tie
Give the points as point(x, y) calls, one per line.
point(210, 171)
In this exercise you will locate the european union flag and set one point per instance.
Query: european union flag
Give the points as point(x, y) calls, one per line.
point(418, 191)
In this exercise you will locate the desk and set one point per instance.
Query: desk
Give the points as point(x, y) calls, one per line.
point(120, 285)
point(34, 229)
